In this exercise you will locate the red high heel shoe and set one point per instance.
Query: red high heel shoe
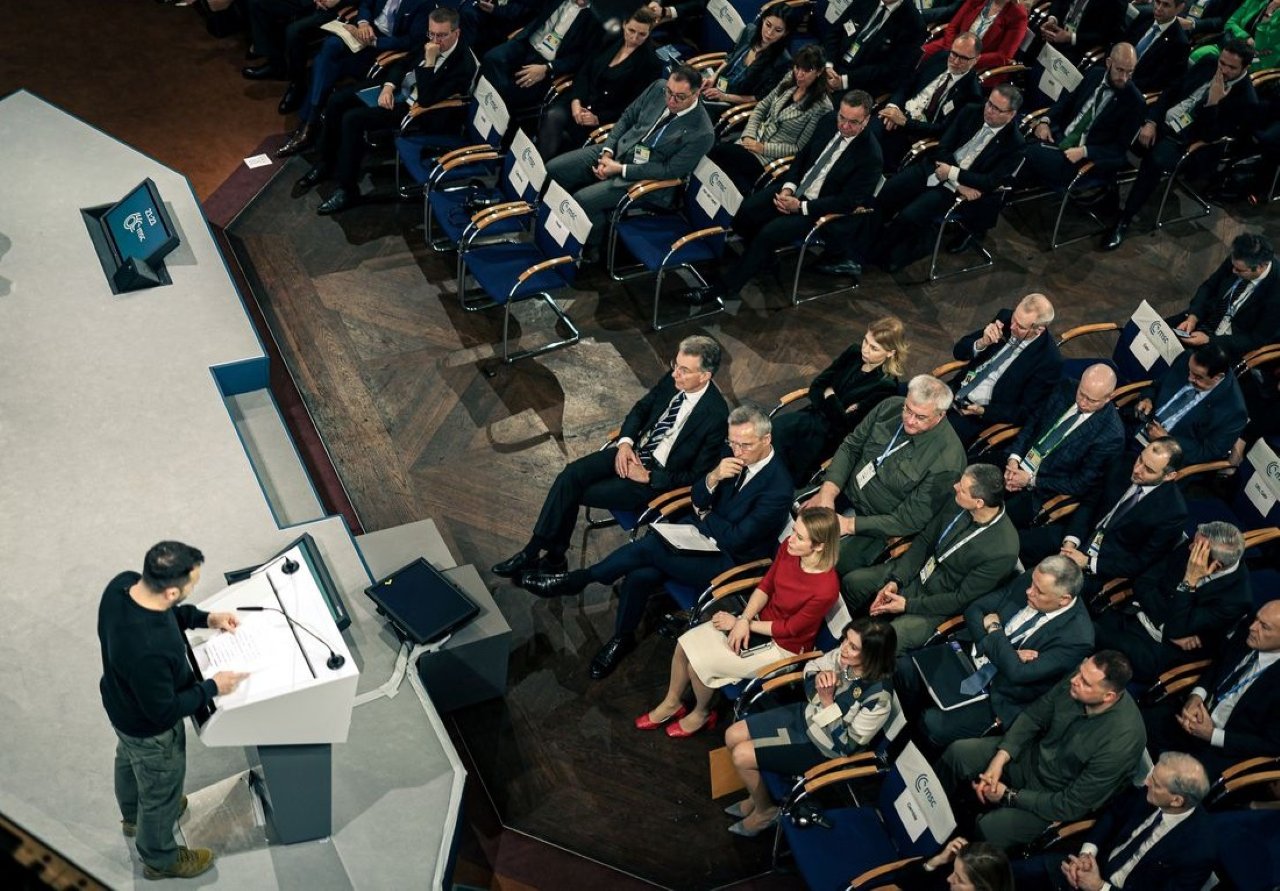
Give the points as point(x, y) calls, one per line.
point(675, 731)
point(644, 723)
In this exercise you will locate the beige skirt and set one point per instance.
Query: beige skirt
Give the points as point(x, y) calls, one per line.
point(716, 665)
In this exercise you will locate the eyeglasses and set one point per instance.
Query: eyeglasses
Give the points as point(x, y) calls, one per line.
point(741, 446)
point(917, 416)
point(679, 97)
point(996, 108)
point(440, 35)
point(681, 371)
point(962, 56)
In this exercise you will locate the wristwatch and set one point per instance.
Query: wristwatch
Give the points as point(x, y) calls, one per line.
point(1009, 798)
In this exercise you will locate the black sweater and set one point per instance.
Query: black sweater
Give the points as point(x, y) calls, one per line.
point(147, 685)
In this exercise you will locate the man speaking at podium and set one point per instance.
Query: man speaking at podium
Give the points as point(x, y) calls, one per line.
point(148, 688)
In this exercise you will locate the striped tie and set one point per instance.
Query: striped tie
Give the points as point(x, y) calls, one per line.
point(660, 429)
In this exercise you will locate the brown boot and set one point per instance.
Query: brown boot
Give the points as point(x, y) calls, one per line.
point(191, 862)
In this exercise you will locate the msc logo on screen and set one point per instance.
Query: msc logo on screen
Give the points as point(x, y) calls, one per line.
point(133, 223)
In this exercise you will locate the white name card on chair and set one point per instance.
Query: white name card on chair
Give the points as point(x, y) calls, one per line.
point(1155, 340)
point(528, 167)
point(923, 804)
point(716, 190)
point(724, 13)
point(565, 216)
point(1263, 488)
point(491, 111)
point(1059, 74)
point(835, 9)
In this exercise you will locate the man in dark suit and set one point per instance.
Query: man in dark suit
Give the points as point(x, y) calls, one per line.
point(663, 134)
point(1154, 837)
point(966, 551)
point(836, 172)
point(979, 152)
point(1207, 17)
point(1162, 45)
point(1066, 447)
point(1077, 26)
point(1198, 402)
point(1014, 364)
point(1238, 306)
point(1135, 519)
point(1182, 610)
point(381, 26)
point(669, 438)
point(926, 103)
point(873, 45)
point(1094, 124)
point(1027, 636)
point(558, 40)
point(488, 22)
point(1234, 713)
point(445, 68)
point(1214, 99)
point(742, 504)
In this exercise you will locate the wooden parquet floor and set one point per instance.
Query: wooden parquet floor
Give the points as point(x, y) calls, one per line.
point(422, 420)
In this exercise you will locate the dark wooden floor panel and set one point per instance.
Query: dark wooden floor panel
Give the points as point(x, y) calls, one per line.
point(423, 420)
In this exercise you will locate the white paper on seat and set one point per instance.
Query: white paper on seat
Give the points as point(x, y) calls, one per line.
point(568, 215)
point(1059, 74)
point(1263, 489)
point(715, 190)
point(1155, 339)
point(924, 804)
point(528, 167)
point(491, 111)
point(724, 13)
point(686, 537)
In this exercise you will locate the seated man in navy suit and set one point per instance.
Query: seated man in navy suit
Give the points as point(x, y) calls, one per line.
point(1014, 364)
point(560, 37)
point(742, 504)
point(1238, 306)
point(1066, 446)
point(1234, 712)
point(1134, 520)
point(1198, 402)
point(1182, 610)
point(672, 436)
point(1093, 124)
point(979, 153)
point(1162, 45)
point(1154, 837)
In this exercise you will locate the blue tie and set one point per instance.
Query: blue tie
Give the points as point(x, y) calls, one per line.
point(1149, 38)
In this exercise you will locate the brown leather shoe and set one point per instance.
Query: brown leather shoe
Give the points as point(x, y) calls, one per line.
point(302, 138)
point(191, 862)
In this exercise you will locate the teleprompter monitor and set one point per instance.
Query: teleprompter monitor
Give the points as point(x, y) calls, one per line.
point(422, 603)
point(138, 227)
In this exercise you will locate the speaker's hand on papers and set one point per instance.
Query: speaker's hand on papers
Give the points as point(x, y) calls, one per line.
point(227, 681)
point(224, 621)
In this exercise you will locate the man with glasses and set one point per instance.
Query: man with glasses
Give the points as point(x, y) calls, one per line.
point(445, 68)
point(893, 473)
point(1238, 306)
point(1198, 402)
point(739, 507)
point(979, 153)
point(836, 172)
point(663, 134)
point(1066, 446)
point(1095, 123)
point(669, 438)
point(924, 105)
point(1013, 365)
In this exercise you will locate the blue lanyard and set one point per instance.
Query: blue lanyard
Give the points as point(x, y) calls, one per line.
point(947, 531)
point(889, 449)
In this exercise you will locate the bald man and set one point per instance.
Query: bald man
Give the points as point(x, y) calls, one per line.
point(1065, 447)
point(1095, 123)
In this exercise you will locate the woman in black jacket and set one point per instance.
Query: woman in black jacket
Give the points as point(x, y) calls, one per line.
point(755, 65)
point(606, 85)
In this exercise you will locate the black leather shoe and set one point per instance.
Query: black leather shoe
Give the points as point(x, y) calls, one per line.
point(299, 139)
point(548, 584)
point(674, 624)
point(1116, 238)
point(310, 178)
point(847, 268)
point(339, 200)
point(611, 654)
point(291, 101)
point(265, 71)
point(961, 243)
point(701, 296)
point(515, 564)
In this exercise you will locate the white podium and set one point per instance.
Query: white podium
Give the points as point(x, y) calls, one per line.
point(296, 701)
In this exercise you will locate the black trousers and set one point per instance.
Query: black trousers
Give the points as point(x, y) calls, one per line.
point(269, 21)
point(1158, 162)
point(500, 65)
point(589, 481)
point(346, 122)
point(644, 566)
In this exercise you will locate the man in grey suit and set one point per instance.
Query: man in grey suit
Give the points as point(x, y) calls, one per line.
point(1027, 636)
point(661, 135)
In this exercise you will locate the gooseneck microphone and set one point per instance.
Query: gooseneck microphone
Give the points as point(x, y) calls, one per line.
point(336, 660)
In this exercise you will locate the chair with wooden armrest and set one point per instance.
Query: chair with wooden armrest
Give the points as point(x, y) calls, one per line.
point(384, 59)
point(1057, 835)
point(1237, 773)
point(955, 216)
point(1127, 394)
point(788, 399)
point(598, 135)
point(1174, 680)
point(1088, 328)
point(733, 118)
point(1110, 595)
point(475, 214)
point(1059, 507)
point(627, 520)
point(948, 368)
point(1205, 467)
point(705, 62)
point(992, 438)
point(1258, 537)
point(878, 877)
point(1234, 789)
point(1013, 73)
point(1198, 150)
point(946, 630)
point(763, 690)
point(814, 238)
point(772, 171)
point(895, 546)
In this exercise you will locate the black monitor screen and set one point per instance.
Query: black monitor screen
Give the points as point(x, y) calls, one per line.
point(422, 602)
point(138, 226)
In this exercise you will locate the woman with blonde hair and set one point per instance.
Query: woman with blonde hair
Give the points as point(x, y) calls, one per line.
point(841, 396)
point(781, 619)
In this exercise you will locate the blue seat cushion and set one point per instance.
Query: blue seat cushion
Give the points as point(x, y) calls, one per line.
point(419, 151)
point(828, 858)
point(685, 596)
point(496, 267)
point(447, 208)
point(649, 239)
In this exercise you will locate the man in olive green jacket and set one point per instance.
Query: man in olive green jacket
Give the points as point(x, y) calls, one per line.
point(1065, 756)
point(895, 469)
point(965, 552)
